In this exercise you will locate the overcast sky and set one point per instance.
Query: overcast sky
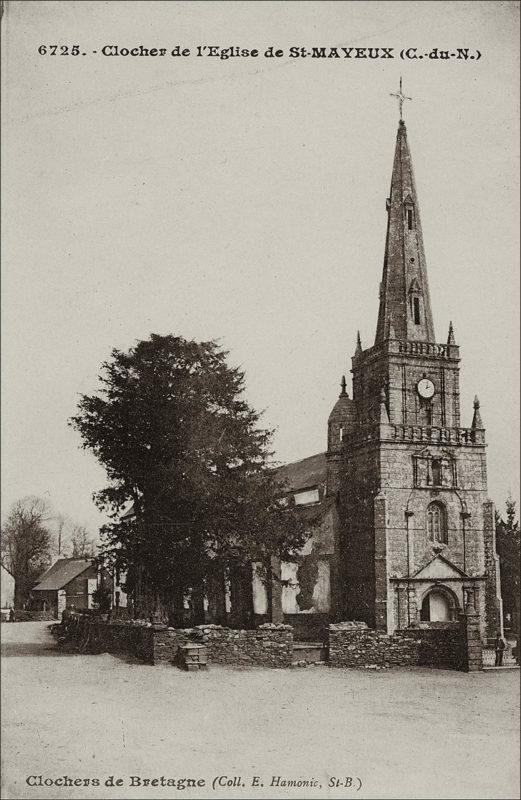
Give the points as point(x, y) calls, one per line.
point(244, 200)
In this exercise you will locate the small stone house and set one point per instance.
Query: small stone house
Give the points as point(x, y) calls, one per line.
point(68, 583)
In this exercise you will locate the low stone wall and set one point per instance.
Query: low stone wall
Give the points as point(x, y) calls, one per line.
point(268, 646)
point(308, 627)
point(453, 646)
point(438, 647)
point(353, 644)
point(31, 616)
point(91, 634)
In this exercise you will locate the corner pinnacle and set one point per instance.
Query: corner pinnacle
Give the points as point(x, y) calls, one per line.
point(450, 338)
point(477, 422)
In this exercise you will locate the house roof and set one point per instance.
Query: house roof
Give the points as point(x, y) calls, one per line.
point(61, 573)
point(305, 473)
point(7, 570)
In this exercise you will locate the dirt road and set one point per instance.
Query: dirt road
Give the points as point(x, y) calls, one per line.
point(404, 733)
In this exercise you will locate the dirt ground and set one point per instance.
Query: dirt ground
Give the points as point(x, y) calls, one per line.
point(404, 733)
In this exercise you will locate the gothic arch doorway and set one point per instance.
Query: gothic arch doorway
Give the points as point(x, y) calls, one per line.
point(438, 605)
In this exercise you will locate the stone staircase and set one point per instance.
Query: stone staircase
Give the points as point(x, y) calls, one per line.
point(307, 653)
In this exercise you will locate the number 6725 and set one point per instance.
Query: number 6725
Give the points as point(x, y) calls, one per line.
point(59, 49)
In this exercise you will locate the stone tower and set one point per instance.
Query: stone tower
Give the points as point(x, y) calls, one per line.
point(417, 536)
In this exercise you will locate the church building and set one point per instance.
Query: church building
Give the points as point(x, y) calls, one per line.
point(401, 528)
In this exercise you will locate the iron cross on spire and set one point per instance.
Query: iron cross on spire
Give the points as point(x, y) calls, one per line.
point(400, 97)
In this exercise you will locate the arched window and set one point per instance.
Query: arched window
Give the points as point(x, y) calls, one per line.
point(436, 472)
point(437, 523)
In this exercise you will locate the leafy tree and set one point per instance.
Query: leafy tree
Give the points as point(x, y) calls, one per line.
point(26, 544)
point(83, 546)
point(71, 540)
point(508, 549)
point(101, 597)
point(59, 543)
point(179, 441)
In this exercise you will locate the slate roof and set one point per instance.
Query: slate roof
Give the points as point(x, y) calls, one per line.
point(61, 573)
point(304, 474)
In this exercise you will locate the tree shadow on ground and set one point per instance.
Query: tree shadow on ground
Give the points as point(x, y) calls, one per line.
point(46, 649)
point(34, 649)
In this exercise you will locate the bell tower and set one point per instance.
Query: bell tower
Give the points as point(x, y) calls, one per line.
point(418, 537)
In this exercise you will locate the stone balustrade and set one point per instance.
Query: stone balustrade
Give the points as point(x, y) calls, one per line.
point(414, 433)
point(410, 348)
point(436, 435)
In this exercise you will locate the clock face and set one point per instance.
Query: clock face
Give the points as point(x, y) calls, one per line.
point(425, 388)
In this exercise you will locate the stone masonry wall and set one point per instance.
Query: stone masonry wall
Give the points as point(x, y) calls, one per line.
point(91, 634)
point(268, 645)
point(35, 616)
point(353, 644)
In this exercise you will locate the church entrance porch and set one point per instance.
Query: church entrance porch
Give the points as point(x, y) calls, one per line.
point(437, 607)
point(419, 603)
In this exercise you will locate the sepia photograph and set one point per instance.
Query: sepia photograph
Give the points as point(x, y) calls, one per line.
point(260, 399)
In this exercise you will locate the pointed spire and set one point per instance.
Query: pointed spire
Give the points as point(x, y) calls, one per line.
point(384, 416)
point(477, 423)
point(450, 338)
point(343, 384)
point(358, 343)
point(405, 306)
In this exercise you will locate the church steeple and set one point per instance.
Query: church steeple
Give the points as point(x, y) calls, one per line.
point(405, 306)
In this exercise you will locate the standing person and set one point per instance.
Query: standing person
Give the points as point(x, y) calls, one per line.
point(500, 648)
point(11, 614)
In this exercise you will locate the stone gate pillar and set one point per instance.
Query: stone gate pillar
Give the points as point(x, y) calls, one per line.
point(471, 657)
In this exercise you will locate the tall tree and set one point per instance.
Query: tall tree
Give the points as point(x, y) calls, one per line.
point(26, 544)
point(60, 544)
point(70, 539)
point(179, 441)
point(508, 549)
point(83, 545)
